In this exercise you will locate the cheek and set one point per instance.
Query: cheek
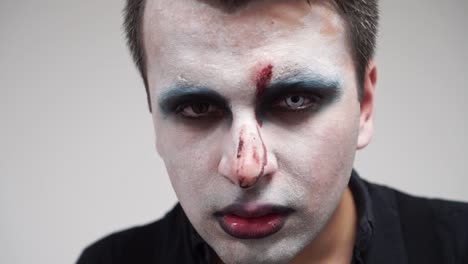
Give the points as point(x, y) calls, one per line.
point(191, 156)
point(318, 156)
point(325, 138)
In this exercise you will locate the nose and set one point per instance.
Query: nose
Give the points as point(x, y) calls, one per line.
point(246, 158)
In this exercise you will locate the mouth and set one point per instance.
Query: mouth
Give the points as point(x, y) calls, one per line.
point(250, 221)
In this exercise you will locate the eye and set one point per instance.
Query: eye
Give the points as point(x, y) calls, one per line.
point(199, 110)
point(296, 102)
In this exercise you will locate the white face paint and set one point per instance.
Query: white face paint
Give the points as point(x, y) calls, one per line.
point(230, 134)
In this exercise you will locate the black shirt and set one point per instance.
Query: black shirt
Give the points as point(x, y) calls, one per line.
point(393, 227)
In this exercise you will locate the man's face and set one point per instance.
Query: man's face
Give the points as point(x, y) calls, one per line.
point(256, 116)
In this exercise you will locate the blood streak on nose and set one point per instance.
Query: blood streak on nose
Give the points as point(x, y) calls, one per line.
point(240, 149)
point(240, 146)
point(251, 158)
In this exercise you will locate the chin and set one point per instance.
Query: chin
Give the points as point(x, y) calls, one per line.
point(279, 248)
point(259, 252)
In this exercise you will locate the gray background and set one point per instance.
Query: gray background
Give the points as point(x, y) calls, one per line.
point(77, 149)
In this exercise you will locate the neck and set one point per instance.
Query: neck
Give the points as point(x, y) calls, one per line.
point(335, 242)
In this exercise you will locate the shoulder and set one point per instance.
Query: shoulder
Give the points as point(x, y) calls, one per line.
point(139, 244)
point(411, 206)
point(430, 227)
point(432, 213)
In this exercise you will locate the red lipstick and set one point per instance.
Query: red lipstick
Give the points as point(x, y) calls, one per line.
point(252, 221)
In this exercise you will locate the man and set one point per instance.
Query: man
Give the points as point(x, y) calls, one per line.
point(258, 108)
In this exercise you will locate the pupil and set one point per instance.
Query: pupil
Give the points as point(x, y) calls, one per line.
point(200, 108)
point(295, 99)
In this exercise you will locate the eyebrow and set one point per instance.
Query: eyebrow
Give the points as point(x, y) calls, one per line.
point(328, 88)
point(169, 100)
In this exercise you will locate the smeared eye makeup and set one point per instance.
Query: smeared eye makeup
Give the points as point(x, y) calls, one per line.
point(192, 102)
point(300, 92)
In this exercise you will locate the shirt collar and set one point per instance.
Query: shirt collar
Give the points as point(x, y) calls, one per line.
point(201, 250)
point(363, 201)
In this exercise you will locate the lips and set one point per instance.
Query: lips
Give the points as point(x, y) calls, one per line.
point(245, 221)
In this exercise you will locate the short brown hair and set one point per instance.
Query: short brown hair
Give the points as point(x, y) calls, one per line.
point(361, 16)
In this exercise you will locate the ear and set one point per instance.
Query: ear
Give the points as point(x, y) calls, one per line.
point(366, 120)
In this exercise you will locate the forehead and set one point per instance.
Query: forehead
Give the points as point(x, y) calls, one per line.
point(181, 35)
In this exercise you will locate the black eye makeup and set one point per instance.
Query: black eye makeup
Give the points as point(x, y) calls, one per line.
point(198, 110)
point(296, 94)
point(192, 102)
point(299, 94)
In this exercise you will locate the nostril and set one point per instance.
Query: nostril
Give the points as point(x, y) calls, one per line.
point(245, 183)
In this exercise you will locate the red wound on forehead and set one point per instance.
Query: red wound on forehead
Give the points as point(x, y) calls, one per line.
point(264, 78)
